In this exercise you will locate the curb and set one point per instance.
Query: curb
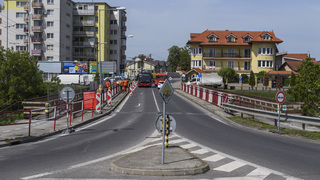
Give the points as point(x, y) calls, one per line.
point(41, 137)
point(160, 172)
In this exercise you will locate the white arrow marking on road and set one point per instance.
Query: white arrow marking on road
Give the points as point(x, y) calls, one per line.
point(138, 105)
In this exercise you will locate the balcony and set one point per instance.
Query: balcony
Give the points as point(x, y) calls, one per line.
point(84, 23)
point(124, 18)
point(123, 57)
point(123, 47)
point(83, 12)
point(36, 40)
point(36, 52)
point(26, 19)
point(84, 33)
point(83, 44)
point(25, 30)
point(37, 5)
point(26, 41)
point(37, 28)
point(224, 56)
point(84, 54)
point(26, 7)
point(37, 16)
point(124, 28)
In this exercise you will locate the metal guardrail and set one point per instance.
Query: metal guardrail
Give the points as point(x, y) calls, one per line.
point(274, 115)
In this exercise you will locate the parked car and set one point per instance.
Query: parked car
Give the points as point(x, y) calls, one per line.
point(160, 84)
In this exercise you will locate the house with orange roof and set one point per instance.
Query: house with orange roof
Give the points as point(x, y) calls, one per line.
point(241, 50)
point(283, 57)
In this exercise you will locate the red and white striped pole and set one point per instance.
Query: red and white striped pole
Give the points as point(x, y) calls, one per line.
point(109, 97)
point(98, 103)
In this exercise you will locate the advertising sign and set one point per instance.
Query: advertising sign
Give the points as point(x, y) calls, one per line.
point(88, 100)
point(75, 67)
point(50, 67)
point(93, 66)
point(108, 67)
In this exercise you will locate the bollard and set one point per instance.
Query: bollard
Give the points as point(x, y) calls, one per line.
point(47, 105)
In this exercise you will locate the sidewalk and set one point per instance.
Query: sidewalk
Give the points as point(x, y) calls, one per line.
point(40, 129)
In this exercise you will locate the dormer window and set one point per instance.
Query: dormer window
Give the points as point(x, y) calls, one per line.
point(231, 38)
point(247, 39)
point(266, 37)
point(212, 38)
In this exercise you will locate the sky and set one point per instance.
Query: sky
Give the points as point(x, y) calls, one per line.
point(157, 25)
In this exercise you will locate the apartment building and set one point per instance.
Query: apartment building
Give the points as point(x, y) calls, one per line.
point(63, 30)
point(241, 50)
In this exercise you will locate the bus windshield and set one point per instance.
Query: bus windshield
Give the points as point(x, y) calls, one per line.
point(147, 77)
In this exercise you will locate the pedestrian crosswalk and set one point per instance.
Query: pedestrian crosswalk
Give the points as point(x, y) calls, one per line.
point(222, 165)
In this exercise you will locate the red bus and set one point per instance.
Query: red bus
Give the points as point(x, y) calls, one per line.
point(160, 77)
point(145, 79)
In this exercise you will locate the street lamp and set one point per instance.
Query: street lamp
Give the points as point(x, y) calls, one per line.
point(116, 9)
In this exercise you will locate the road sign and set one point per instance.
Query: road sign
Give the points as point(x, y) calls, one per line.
point(280, 97)
point(122, 74)
point(170, 78)
point(166, 91)
point(284, 107)
point(240, 79)
point(67, 93)
point(183, 75)
point(199, 75)
point(159, 126)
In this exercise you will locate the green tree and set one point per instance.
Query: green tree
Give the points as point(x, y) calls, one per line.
point(260, 75)
point(227, 73)
point(20, 77)
point(279, 81)
point(266, 80)
point(174, 57)
point(252, 80)
point(307, 87)
point(292, 79)
point(185, 58)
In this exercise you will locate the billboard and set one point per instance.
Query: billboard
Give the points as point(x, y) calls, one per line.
point(93, 66)
point(108, 67)
point(80, 67)
point(50, 67)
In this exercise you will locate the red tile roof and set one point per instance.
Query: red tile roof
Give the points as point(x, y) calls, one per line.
point(294, 65)
point(301, 56)
point(281, 72)
point(256, 36)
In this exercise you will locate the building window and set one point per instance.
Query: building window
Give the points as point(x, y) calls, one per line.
point(21, 26)
point(113, 42)
point(50, 47)
point(212, 38)
point(196, 63)
point(231, 52)
point(21, 37)
point(50, 1)
point(50, 23)
point(265, 64)
point(196, 51)
point(50, 12)
point(49, 58)
point(21, 15)
point(265, 51)
point(113, 32)
point(246, 39)
point(113, 51)
point(21, 48)
point(231, 64)
point(247, 53)
point(266, 37)
point(212, 52)
point(49, 35)
point(211, 65)
point(231, 38)
point(247, 65)
point(21, 4)
point(113, 22)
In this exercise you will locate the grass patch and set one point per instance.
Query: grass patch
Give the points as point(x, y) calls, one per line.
point(263, 126)
point(265, 94)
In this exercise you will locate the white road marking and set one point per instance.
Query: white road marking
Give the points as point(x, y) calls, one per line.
point(176, 141)
point(199, 151)
point(7, 131)
point(214, 158)
point(230, 166)
point(186, 146)
point(259, 172)
point(155, 101)
point(138, 105)
point(36, 176)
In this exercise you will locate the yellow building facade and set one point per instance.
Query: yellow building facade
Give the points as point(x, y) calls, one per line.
point(242, 50)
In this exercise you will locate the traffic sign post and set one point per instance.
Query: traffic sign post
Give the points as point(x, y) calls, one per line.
point(67, 94)
point(166, 92)
point(280, 97)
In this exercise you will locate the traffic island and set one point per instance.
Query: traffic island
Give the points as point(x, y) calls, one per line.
point(177, 162)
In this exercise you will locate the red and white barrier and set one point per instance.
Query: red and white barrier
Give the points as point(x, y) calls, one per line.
point(98, 103)
point(109, 98)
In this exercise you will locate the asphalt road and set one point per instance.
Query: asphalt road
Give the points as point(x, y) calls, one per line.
point(66, 156)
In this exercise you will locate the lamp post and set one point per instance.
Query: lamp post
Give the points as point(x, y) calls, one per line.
point(116, 9)
point(100, 66)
